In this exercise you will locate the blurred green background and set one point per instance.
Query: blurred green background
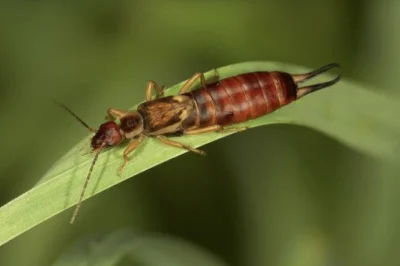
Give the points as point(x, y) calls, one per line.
point(274, 195)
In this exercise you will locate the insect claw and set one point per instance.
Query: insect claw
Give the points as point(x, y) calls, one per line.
point(120, 173)
point(122, 168)
point(299, 78)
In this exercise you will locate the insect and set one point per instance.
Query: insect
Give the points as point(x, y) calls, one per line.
point(210, 108)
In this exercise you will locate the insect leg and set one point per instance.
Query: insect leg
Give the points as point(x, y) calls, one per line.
point(232, 129)
point(130, 148)
point(179, 145)
point(151, 86)
point(215, 128)
point(114, 113)
point(202, 130)
point(189, 83)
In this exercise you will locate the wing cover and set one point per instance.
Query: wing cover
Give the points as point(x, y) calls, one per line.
point(165, 115)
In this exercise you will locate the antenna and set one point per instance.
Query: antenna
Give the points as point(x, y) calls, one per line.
point(78, 206)
point(76, 116)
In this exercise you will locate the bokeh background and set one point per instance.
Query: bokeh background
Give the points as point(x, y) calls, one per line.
point(274, 195)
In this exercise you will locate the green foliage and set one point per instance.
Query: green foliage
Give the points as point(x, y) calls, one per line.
point(126, 246)
point(346, 112)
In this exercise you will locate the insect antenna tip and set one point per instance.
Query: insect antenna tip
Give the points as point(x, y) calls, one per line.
point(74, 115)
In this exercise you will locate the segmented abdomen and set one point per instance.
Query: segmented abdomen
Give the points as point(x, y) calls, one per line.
point(240, 98)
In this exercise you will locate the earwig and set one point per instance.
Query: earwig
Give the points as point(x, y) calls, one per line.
point(210, 108)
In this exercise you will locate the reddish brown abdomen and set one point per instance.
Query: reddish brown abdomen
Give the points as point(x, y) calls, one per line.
point(241, 98)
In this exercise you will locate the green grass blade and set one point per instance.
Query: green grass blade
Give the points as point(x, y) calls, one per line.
point(360, 118)
point(140, 249)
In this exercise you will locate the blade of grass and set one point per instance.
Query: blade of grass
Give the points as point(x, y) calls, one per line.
point(358, 117)
point(140, 249)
